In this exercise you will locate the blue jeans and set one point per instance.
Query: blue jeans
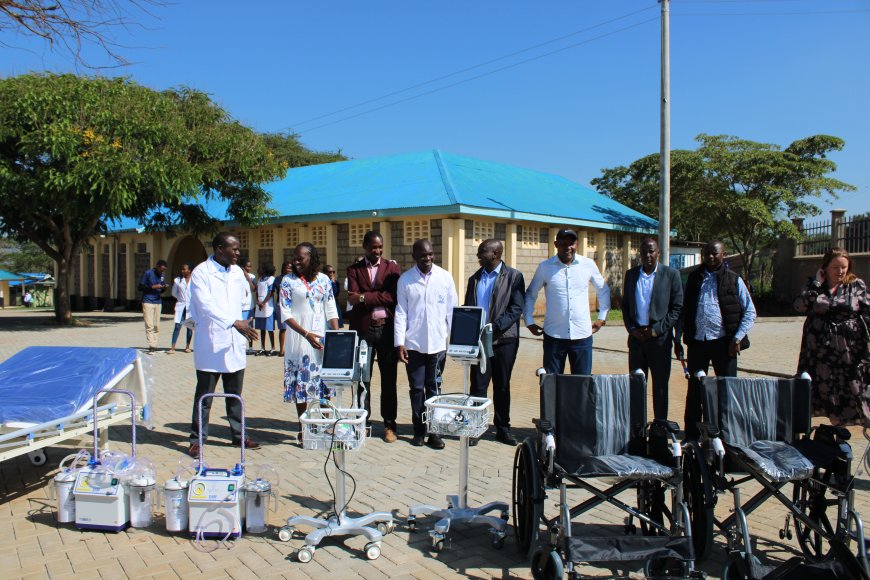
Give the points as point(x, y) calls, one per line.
point(578, 352)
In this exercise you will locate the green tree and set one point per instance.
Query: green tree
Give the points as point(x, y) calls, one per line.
point(735, 189)
point(27, 257)
point(77, 153)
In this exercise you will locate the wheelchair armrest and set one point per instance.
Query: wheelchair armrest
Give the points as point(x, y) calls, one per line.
point(669, 426)
point(834, 430)
point(711, 431)
point(543, 425)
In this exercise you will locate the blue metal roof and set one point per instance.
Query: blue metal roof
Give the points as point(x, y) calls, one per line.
point(438, 182)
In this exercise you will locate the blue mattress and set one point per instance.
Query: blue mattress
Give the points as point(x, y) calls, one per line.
point(44, 383)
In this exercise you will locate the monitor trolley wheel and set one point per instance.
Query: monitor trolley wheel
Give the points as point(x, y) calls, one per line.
point(527, 497)
point(699, 497)
point(547, 564)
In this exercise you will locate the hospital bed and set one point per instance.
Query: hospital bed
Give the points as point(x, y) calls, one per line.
point(47, 396)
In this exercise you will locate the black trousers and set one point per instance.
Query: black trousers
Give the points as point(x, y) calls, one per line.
point(700, 354)
point(206, 382)
point(424, 381)
point(498, 369)
point(380, 341)
point(653, 357)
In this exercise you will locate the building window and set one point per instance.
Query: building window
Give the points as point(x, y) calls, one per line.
point(292, 239)
point(106, 249)
point(318, 237)
point(141, 249)
point(612, 242)
point(530, 237)
point(122, 248)
point(416, 230)
point(483, 231)
point(243, 239)
point(266, 238)
point(357, 233)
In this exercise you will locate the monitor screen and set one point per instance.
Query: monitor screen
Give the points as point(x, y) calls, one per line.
point(338, 349)
point(465, 330)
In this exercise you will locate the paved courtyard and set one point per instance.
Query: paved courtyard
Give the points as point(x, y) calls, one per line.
point(388, 477)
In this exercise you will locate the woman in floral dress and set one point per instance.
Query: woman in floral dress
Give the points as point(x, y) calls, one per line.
point(307, 307)
point(834, 350)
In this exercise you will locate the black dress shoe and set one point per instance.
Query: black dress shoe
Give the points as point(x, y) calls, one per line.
point(506, 438)
point(249, 444)
point(418, 440)
point(194, 450)
point(435, 441)
point(473, 441)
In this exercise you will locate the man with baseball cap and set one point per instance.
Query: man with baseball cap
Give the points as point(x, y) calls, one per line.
point(568, 325)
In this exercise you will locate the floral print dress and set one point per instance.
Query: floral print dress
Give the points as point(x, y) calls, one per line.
point(310, 304)
point(834, 351)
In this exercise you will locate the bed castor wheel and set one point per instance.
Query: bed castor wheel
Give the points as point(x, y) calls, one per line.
point(497, 542)
point(412, 524)
point(386, 527)
point(285, 534)
point(505, 516)
point(305, 554)
point(437, 546)
point(37, 457)
point(373, 550)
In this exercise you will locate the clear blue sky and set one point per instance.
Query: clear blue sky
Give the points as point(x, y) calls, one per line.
point(766, 70)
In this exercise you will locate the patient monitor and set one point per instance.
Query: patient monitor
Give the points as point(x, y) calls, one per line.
point(340, 361)
point(468, 334)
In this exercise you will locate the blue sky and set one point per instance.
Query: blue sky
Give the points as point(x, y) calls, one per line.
point(766, 70)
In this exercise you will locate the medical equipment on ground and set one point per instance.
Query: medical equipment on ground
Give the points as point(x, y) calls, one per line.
point(260, 497)
point(215, 503)
point(100, 488)
point(337, 429)
point(47, 396)
point(62, 485)
point(463, 416)
point(175, 505)
point(142, 488)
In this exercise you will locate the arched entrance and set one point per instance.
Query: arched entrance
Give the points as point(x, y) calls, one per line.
point(187, 250)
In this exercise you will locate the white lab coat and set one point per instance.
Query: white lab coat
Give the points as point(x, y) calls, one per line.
point(216, 303)
point(181, 293)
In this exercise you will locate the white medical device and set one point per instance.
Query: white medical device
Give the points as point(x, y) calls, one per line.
point(215, 498)
point(101, 493)
point(339, 355)
point(465, 332)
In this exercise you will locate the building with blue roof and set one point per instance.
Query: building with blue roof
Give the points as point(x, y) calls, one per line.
point(454, 200)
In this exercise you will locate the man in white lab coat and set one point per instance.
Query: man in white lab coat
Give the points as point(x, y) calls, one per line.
point(216, 290)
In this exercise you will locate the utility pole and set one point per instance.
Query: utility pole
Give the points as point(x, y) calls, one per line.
point(665, 151)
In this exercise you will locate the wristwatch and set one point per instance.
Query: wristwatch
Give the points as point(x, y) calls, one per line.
point(362, 298)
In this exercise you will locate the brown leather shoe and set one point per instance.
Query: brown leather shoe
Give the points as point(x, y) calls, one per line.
point(389, 435)
point(249, 444)
point(194, 450)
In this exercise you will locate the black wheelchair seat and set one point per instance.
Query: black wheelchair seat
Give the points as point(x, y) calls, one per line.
point(778, 460)
point(622, 467)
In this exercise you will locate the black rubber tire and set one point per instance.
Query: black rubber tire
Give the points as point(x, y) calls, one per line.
point(650, 501)
point(547, 564)
point(699, 497)
point(527, 497)
point(812, 499)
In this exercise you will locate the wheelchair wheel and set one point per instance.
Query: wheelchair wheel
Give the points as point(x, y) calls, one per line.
point(528, 504)
point(811, 498)
point(651, 502)
point(699, 497)
point(547, 564)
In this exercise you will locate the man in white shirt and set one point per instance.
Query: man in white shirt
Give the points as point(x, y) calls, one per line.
point(425, 299)
point(568, 326)
point(216, 290)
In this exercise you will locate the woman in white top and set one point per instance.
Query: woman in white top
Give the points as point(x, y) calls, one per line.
point(181, 293)
point(307, 307)
point(248, 292)
point(264, 320)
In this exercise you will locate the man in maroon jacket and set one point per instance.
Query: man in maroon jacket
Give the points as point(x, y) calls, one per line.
point(371, 290)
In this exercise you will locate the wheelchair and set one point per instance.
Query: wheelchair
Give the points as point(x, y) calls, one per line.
point(593, 433)
point(757, 430)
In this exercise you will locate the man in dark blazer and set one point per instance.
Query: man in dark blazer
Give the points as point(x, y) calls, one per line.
point(652, 299)
point(371, 290)
point(500, 291)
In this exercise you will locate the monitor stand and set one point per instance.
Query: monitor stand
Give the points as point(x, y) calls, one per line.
point(457, 509)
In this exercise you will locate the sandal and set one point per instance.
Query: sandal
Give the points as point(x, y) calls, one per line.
point(299, 439)
point(187, 350)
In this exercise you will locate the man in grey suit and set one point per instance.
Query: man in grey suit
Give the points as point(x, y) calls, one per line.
point(652, 299)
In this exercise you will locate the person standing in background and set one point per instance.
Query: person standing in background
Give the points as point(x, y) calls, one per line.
point(248, 303)
point(286, 268)
point(264, 314)
point(336, 290)
point(181, 293)
point(152, 284)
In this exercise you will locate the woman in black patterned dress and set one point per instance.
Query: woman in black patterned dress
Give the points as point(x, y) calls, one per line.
point(834, 350)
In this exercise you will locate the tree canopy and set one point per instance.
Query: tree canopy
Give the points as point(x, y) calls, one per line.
point(77, 152)
point(738, 190)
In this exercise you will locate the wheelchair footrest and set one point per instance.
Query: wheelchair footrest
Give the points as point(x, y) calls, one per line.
point(628, 548)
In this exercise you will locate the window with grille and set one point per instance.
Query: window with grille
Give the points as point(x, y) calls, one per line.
point(612, 242)
point(291, 239)
point(483, 231)
point(530, 237)
point(141, 249)
point(416, 230)
point(243, 239)
point(105, 249)
point(266, 238)
point(318, 236)
point(357, 233)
